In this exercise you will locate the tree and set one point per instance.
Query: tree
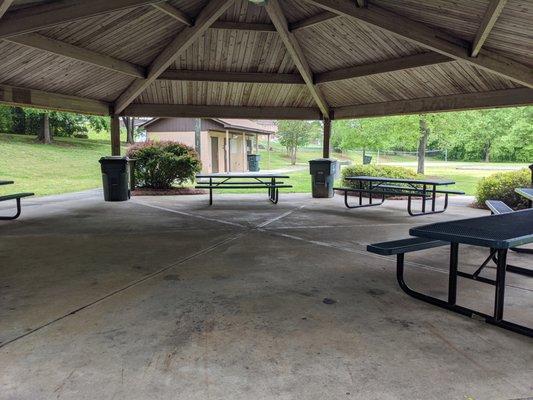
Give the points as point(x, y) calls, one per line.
point(295, 134)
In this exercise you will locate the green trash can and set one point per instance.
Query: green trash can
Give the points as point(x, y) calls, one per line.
point(323, 173)
point(253, 162)
point(115, 178)
point(367, 160)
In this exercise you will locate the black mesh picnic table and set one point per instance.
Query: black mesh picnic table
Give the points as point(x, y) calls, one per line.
point(495, 231)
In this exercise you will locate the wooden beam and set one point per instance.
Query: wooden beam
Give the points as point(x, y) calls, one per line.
point(469, 101)
point(31, 19)
point(115, 135)
point(311, 21)
point(25, 97)
point(38, 41)
point(175, 13)
point(489, 19)
point(395, 64)
point(244, 26)
point(188, 111)
point(430, 38)
point(223, 76)
point(4, 5)
point(295, 51)
point(326, 138)
point(362, 3)
point(182, 41)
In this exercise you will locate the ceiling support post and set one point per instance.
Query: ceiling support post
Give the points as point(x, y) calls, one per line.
point(326, 138)
point(115, 135)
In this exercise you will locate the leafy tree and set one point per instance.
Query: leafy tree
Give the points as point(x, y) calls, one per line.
point(295, 134)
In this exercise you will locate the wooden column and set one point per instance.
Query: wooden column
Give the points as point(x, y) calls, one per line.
point(227, 152)
point(115, 135)
point(244, 169)
point(327, 136)
point(256, 144)
point(268, 149)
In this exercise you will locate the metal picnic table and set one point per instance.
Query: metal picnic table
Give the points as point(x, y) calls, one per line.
point(243, 180)
point(427, 189)
point(497, 232)
point(527, 193)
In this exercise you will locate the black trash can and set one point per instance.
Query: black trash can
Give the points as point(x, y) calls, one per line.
point(367, 160)
point(253, 162)
point(323, 173)
point(115, 178)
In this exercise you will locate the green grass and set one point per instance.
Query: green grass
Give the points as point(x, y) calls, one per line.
point(70, 165)
point(67, 165)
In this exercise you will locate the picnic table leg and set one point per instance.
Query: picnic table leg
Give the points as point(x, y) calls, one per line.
point(360, 193)
point(424, 199)
point(210, 191)
point(452, 279)
point(433, 198)
point(19, 209)
point(499, 295)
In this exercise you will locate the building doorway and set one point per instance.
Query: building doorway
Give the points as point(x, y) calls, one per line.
point(214, 154)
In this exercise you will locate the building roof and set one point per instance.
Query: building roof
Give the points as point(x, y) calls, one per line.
point(239, 125)
point(293, 59)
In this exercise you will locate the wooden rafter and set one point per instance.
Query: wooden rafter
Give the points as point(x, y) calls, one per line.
point(489, 19)
point(174, 13)
point(244, 26)
point(193, 111)
point(430, 38)
point(295, 51)
point(37, 98)
point(182, 41)
point(223, 76)
point(395, 64)
point(38, 41)
point(4, 5)
point(468, 101)
point(35, 18)
point(311, 21)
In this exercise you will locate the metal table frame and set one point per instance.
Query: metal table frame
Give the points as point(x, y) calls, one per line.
point(267, 181)
point(498, 249)
point(412, 190)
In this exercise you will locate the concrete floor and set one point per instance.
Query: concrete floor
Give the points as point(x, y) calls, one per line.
point(167, 298)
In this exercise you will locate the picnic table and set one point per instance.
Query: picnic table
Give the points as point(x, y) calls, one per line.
point(499, 233)
point(242, 180)
point(527, 193)
point(426, 189)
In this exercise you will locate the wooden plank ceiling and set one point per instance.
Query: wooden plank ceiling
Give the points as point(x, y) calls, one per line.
point(346, 61)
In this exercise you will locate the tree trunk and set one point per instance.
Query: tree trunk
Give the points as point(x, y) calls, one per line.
point(293, 156)
point(47, 137)
point(44, 131)
point(129, 123)
point(422, 144)
point(487, 152)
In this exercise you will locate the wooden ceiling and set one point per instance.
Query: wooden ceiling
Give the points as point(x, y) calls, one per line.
point(306, 59)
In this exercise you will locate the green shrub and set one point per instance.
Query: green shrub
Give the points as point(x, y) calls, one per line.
point(159, 165)
point(81, 136)
point(377, 170)
point(501, 186)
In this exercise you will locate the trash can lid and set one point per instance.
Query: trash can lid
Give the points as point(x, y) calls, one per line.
point(324, 160)
point(114, 158)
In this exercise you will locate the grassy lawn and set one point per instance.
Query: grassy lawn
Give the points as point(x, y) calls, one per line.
point(70, 165)
point(67, 165)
